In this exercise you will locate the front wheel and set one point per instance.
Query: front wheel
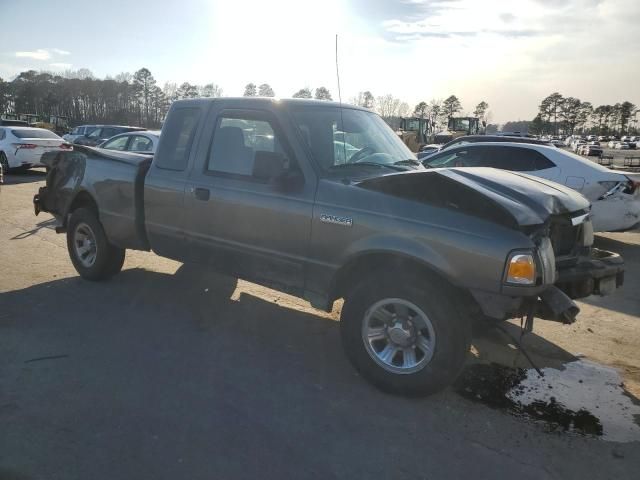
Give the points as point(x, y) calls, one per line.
point(405, 334)
point(93, 257)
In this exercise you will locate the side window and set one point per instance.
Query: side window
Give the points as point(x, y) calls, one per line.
point(95, 133)
point(541, 161)
point(109, 132)
point(459, 157)
point(177, 138)
point(119, 143)
point(140, 144)
point(511, 158)
point(237, 141)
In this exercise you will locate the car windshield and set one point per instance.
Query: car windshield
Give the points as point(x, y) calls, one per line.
point(342, 137)
point(34, 133)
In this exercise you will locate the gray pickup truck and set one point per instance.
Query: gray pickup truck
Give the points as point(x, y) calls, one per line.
point(325, 202)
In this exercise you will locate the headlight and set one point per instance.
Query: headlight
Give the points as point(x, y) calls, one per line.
point(521, 269)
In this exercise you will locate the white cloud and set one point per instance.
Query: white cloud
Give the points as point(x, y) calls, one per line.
point(39, 54)
point(60, 65)
point(58, 51)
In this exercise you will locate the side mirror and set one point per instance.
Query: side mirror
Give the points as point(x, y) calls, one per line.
point(268, 165)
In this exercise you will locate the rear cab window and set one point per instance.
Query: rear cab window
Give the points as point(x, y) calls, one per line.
point(177, 138)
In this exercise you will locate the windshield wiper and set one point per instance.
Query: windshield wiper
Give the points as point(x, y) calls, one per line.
point(408, 161)
point(367, 164)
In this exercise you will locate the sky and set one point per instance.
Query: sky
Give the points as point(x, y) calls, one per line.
point(510, 53)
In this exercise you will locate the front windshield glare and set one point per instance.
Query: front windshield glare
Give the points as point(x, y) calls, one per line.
point(352, 136)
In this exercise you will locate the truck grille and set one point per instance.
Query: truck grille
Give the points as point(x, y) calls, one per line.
point(565, 237)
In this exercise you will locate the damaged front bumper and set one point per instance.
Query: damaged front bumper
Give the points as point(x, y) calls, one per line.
point(599, 274)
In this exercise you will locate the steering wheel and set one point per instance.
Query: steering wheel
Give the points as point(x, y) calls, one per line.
point(361, 153)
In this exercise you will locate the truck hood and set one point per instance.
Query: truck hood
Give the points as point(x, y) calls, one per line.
point(511, 199)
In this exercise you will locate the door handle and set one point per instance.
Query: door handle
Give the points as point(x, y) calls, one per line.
point(202, 194)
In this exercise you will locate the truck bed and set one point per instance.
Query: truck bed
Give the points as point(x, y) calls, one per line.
point(113, 181)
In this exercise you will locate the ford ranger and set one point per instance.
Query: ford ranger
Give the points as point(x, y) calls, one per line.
point(325, 202)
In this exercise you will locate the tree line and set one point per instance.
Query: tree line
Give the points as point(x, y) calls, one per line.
point(137, 99)
point(130, 99)
point(558, 114)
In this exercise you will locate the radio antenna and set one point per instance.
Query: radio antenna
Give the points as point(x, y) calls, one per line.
point(338, 72)
point(344, 141)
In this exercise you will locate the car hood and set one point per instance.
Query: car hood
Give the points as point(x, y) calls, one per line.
point(508, 198)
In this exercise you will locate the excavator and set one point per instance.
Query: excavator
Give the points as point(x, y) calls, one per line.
point(417, 132)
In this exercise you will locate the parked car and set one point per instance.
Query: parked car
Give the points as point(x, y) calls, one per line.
point(79, 131)
point(101, 133)
point(615, 198)
point(590, 149)
point(139, 142)
point(22, 147)
point(427, 150)
point(602, 138)
point(415, 254)
point(577, 144)
point(621, 146)
point(557, 143)
point(591, 138)
point(492, 138)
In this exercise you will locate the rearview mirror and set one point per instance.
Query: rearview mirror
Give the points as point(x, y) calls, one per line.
point(268, 165)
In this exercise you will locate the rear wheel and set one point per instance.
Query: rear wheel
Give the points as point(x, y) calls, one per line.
point(405, 334)
point(93, 257)
point(4, 162)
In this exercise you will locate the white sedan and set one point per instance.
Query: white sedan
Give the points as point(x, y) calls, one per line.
point(615, 198)
point(23, 147)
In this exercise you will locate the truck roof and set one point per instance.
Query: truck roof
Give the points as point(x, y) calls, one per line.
point(262, 101)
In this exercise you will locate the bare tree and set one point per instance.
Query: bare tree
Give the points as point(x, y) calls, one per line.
point(364, 99)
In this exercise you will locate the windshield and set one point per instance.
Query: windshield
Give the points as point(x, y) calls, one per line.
point(346, 136)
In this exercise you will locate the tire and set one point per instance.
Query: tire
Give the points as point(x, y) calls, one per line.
point(93, 257)
point(446, 331)
point(5, 163)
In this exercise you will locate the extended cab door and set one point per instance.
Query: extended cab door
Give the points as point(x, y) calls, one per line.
point(251, 226)
point(164, 188)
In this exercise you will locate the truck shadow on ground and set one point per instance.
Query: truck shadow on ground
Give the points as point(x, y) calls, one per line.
point(49, 224)
point(200, 333)
point(26, 176)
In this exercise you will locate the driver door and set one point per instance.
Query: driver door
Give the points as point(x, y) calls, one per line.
point(252, 228)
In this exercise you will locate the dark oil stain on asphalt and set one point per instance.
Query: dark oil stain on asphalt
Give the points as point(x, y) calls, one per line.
point(584, 398)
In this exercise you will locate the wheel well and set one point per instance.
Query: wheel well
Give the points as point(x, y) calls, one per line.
point(83, 200)
point(368, 264)
point(383, 263)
